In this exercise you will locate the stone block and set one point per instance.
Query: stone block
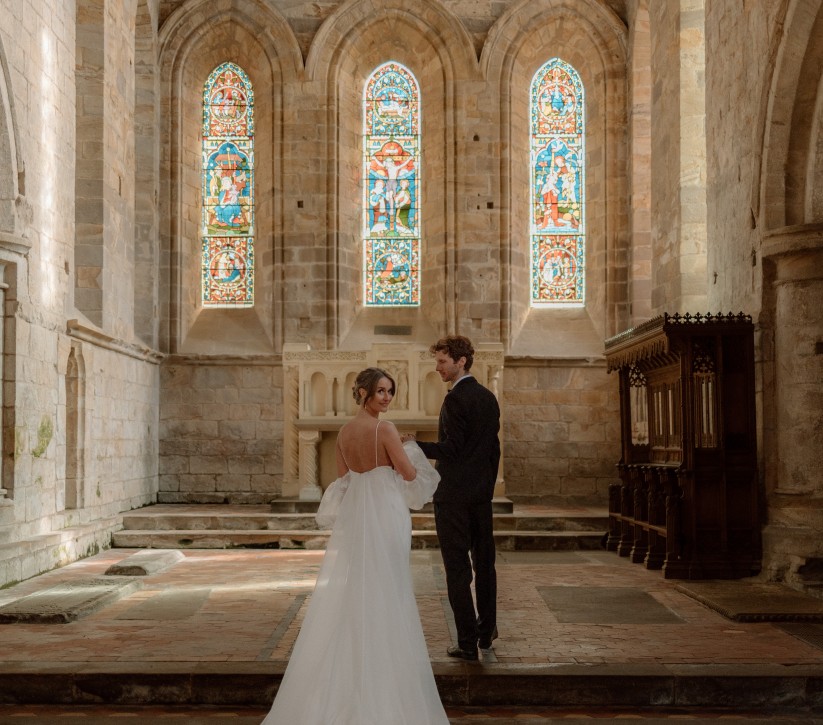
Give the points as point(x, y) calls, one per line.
point(246, 464)
point(237, 429)
point(207, 464)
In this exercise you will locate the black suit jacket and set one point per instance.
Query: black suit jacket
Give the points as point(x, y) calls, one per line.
point(467, 452)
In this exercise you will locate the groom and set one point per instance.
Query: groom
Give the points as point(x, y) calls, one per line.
point(467, 454)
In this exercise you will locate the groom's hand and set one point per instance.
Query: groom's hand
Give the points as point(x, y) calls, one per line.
point(406, 437)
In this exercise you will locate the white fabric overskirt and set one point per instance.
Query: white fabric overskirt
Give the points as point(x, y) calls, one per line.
point(361, 657)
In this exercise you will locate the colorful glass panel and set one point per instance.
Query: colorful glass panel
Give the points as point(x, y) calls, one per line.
point(557, 185)
point(227, 265)
point(391, 188)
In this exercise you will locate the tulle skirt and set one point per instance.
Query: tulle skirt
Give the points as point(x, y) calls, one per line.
point(361, 657)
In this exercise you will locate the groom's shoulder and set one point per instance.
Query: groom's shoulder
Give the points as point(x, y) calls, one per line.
point(475, 388)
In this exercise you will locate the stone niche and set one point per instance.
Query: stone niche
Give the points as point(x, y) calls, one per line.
point(318, 402)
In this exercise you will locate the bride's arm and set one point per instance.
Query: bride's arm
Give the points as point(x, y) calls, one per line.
point(397, 455)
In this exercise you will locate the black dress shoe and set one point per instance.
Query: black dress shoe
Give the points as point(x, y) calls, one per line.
point(486, 642)
point(463, 654)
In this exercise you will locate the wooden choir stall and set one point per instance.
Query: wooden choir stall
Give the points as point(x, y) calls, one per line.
point(687, 501)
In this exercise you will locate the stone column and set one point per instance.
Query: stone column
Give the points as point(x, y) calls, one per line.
point(310, 488)
point(798, 360)
point(3, 287)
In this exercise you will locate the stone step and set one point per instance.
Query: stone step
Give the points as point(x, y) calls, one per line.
point(505, 540)
point(739, 690)
point(150, 521)
point(294, 505)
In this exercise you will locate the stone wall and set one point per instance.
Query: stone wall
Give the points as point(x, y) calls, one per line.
point(561, 429)
point(221, 436)
point(474, 65)
point(119, 389)
point(764, 71)
point(80, 403)
point(678, 156)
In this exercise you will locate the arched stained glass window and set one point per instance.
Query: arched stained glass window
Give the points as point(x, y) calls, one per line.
point(227, 266)
point(557, 186)
point(391, 188)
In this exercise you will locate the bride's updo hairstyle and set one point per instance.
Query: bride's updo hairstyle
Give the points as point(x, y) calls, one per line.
point(368, 380)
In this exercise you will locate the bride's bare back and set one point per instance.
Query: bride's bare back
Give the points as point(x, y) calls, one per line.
point(362, 445)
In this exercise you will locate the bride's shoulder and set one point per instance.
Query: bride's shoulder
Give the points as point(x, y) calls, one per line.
point(386, 427)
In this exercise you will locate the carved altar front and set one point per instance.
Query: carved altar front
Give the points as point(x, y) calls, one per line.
point(318, 402)
point(687, 501)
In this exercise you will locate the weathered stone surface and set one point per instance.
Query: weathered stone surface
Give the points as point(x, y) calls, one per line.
point(67, 602)
point(144, 563)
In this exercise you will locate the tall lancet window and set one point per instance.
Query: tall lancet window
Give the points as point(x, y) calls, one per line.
point(227, 263)
point(391, 187)
point(557, 186)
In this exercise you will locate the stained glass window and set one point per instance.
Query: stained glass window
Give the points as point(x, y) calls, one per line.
point(557, 185)
point(227, 265)
point(391, 188)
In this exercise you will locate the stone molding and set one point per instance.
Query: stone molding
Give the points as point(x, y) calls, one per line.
point(797, 239)
point(80, 331)
point(14, 243)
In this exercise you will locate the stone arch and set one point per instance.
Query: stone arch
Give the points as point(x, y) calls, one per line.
point(435, 47)
point(11, 165)
point(792, 113)
point(788, 205)
point(75, 428)
point(193, 41)
point(593, 39)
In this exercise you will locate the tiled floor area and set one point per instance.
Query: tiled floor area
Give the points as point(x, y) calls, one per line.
point(246, 606)
point(243, 608)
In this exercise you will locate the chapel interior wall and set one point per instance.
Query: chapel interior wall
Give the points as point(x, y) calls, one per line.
point(208, 423)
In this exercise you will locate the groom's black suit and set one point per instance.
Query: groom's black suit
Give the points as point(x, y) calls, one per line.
point(467, 453)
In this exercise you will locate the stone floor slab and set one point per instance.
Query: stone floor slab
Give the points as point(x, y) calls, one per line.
point(747, 601)
point(606, 605)
point(67, 602)
point(144, 563)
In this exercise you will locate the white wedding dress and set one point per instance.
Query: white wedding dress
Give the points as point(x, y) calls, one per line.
point(360, 657)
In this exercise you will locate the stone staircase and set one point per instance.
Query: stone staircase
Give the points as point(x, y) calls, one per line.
point(290, 524)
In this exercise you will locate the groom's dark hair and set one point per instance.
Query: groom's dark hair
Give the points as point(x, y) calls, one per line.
point(455, 346)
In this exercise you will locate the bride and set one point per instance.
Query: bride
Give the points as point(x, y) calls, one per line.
point(360, 657)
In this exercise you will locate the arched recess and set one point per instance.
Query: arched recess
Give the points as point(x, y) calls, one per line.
point(15, 216)
point(591, 38)
point(790, 205)
point(75, 497)
point(792, 159)
point(438, 51)
point(193, 41)
point(146, 169)
point(11, 166)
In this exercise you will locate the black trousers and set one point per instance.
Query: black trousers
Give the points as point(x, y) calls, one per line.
point(466, 535)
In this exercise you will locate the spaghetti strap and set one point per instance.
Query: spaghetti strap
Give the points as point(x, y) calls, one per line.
point(342, 455)
point(375, 443)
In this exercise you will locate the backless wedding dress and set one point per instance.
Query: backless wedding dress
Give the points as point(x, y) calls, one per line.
point(360, 657)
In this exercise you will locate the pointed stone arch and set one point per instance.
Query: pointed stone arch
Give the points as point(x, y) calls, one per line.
point(12, 180)
point(432, 43)
point(75, 493)
point(192, 41)
point(593, 39)
point(792, 120)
